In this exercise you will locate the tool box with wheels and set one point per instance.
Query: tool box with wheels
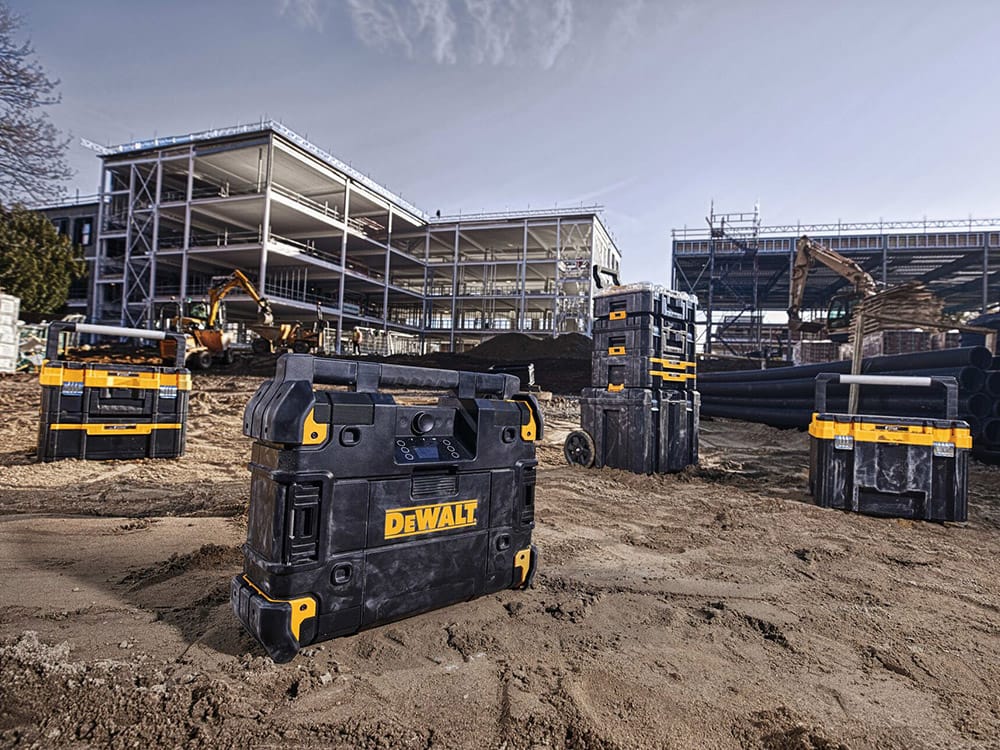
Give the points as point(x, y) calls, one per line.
point(902, 467)
point(645, 431)
point(642, 412)
point(103, 411)
point(364, 510)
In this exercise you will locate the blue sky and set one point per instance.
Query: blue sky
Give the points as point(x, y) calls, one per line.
point(820, 110)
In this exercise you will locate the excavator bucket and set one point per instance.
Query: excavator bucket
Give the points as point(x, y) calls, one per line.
point(210, 339)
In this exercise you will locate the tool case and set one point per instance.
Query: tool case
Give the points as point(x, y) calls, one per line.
point(902, 467)
point(622, 302)
point(616, 373)
point(644, 431)
point(111, 411)
point(363, 510)
point(653, 342)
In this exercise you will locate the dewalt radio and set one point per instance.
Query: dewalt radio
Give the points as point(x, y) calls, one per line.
point(364, 511)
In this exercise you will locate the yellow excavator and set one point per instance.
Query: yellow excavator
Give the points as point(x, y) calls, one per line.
point(838, 315)
point(202, 322)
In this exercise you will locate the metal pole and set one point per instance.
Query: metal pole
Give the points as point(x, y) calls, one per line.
point(986, 271)
point(852, 396)
point(708, 306)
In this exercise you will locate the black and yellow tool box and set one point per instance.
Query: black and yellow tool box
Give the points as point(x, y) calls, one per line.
point(111, 411)
point(617, 373)
point(644, 431)
point(643, 321)
point(620, 302)
point(364, 510)
point(654, 342)
point(902, 467)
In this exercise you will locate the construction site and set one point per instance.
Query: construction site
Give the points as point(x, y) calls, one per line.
point(320, 241)
point(306, 466)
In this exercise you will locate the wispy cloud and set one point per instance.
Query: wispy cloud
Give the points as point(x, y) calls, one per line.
point(491, 32)
point(592, 195)
point(625, 21)
point(306, 13)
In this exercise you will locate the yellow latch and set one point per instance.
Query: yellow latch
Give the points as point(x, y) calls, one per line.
point(522, 562)
point(302, 607)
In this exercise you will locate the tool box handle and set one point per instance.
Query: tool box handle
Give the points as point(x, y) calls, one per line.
point(906, 381)
point(60, 326)
point(368, 377)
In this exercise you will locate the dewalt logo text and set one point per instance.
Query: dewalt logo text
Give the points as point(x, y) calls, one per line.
point(424, 519)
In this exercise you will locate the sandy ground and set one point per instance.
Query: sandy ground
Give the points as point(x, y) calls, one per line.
point(711, 609)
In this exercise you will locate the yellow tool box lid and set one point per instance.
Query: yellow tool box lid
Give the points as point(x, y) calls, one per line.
point(891, 430)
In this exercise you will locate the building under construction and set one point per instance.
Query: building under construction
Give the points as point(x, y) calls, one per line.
point(740, 270)
point(316, 237)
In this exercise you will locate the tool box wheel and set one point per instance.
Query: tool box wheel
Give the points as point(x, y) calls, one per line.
point(579, 448)
point(301, 347)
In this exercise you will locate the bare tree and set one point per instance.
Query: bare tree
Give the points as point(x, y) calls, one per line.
point(32, 151)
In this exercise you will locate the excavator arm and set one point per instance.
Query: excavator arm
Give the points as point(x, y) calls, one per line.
point(226, 284)
point(807, 251)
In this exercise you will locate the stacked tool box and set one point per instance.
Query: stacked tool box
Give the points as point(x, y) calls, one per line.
point(102, 411)
point(642, 412)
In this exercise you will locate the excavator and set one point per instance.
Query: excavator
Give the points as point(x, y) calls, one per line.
point(838, 316)
point(278, 337)
point(866, 308)
point(202, 323)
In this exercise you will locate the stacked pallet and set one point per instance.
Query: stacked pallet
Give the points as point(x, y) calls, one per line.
point(641, 413)
point(10, 308)
point(904, 303)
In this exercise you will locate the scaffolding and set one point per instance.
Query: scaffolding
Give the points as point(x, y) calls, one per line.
point(313, 233)
point(740, 269)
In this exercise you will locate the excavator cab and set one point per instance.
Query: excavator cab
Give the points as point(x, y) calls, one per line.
point(838, 314)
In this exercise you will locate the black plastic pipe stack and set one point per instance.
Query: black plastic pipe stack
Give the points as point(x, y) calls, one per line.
point(987, 448)
point(783, 396)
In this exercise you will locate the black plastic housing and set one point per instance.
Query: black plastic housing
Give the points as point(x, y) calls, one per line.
point(110, 411)
point(369, 511)
point(901, 467)
point(641, 371)
point(644, 431)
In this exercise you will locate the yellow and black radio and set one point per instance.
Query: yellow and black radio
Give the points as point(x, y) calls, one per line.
point(364, 510)
point(903, 467)
point(111, 411)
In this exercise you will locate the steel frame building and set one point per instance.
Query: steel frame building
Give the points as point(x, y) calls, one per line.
point(740, 269)
point(315, 234)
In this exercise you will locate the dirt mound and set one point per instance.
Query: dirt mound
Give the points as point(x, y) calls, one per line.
point(207, 556)
point(524, 348)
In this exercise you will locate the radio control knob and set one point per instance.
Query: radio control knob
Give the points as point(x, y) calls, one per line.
point(422, 423)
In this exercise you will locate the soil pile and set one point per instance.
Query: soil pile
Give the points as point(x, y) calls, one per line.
point(519, 347)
